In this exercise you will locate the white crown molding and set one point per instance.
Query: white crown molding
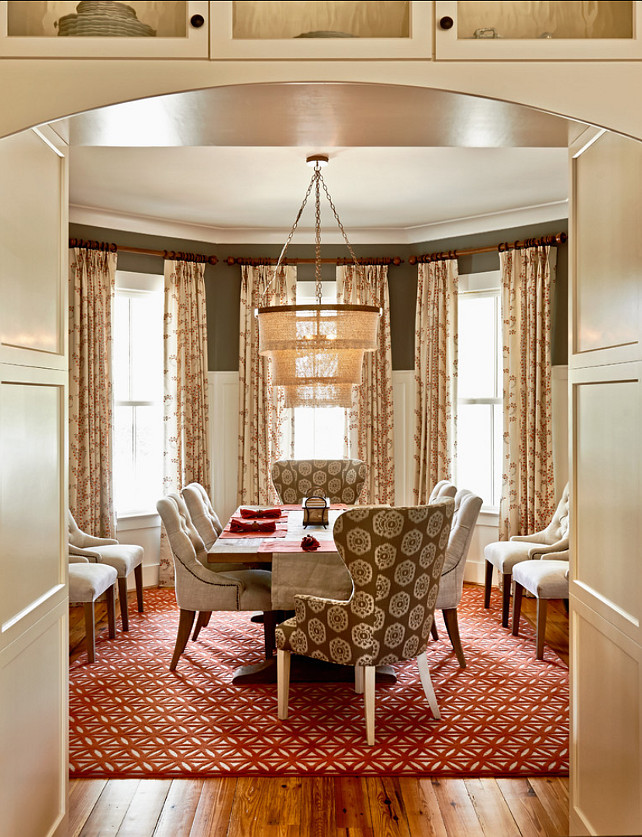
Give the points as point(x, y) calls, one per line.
point(149, 225)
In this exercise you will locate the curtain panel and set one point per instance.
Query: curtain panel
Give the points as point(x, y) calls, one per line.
point(262, 415)
point(435, 375)
point(528, 491)
point(92, 275)
point(185, 405)
point(370, 420)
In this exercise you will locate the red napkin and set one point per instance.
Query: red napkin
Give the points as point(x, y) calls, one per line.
point(252, 514)
point(308, 543)
point(239, 526)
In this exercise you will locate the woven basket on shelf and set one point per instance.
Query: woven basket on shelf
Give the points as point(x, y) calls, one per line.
point(103, 19)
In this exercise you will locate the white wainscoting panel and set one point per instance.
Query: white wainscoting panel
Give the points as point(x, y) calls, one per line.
point(142, 530)
point(403, 399)
point(223, 394)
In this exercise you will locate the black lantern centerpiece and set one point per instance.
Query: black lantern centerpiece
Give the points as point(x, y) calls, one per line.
point(315, 508)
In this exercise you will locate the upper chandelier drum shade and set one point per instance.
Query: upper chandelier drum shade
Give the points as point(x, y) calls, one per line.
point(316, 351)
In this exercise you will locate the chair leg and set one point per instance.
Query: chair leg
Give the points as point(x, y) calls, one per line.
point(507, 579)
point(201, 622)
point(517, 607)
point(283, 682)
point(110, 596)
point(452, 626)
point(90, 632)
point(369, 702)
point(358, 680)
point(185, 622)
point(433, 629)
point(138, 578)
point(426, 682)
point(542, 605)
point(270, 619)
point(488, 583)
point(122, 597)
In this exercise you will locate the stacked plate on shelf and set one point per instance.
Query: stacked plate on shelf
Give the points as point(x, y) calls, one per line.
point(103, 18)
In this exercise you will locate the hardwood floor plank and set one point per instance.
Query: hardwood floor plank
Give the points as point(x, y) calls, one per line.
point(386, 807)
point(456, 808)
point(351, 803)
point(111, 808)
point(317, 806)
point(492, 811)
point(179, 809)
point(421, 807)
point(554, 797)
point(83, 795)
point(527, 809)
point(144, 812)
point(270, 807)
point(212, 815)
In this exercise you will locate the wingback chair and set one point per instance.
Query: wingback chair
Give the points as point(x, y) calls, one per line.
point(341, 479)
point(122, 557)
point(444, 488)
point(200, 589)
point(504, 555)
point(395, 557)
point(467, 506)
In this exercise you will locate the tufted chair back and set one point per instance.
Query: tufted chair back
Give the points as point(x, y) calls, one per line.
point(443, 488)
point(557, 529)
point(395, 557)
point(340, 479)
point(203, 516)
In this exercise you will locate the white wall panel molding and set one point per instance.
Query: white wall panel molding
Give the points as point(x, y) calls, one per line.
point(403, 443)
point(223, 392)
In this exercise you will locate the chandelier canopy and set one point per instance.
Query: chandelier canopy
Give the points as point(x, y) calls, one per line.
point(316, 351)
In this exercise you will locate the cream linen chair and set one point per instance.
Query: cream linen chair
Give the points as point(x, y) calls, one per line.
point(395, 557)
point(88, 581)
point(444, 488)
point(504, 555)
point(200, 589)
point(122, 557)
point(340, 479)
point(545, 579)
point(467, 506)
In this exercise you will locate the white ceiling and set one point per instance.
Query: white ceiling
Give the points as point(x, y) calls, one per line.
point(210, 178)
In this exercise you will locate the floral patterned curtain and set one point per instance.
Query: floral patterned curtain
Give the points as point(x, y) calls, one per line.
point(185, 406)
point(528, 491)
point(371, 418)
point(261, 410)
point(435, 374)
point(92, 275)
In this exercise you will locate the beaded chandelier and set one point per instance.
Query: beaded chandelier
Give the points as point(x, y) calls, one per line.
point(317, 351)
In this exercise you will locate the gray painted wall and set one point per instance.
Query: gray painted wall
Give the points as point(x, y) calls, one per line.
point(223, 282)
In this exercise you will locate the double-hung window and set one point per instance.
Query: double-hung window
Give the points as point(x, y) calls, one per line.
point(478, 461)
point(138, 392)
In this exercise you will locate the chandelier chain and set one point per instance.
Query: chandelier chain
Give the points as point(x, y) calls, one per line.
point(317, 235)
point(340, 225)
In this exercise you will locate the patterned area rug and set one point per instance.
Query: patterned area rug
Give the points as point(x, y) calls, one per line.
point(505, 714)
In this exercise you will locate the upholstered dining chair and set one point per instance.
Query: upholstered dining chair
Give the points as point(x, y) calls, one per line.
point(200, 589)
point(546, 579)
point(88, 581)
point(395, 557)
point(467, 506)
point(444, 488)
point(123, 557)
point(504, 555)
point(341, 479)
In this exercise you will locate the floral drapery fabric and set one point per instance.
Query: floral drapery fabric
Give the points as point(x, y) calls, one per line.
point(261, 411)
point(371, 417)
point(528, 491)
point(185, 404)
point(92, 275)
point(435, 374)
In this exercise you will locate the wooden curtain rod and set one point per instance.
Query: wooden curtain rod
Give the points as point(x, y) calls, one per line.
point(232, 260)
point(557, 238)
point(165, 254)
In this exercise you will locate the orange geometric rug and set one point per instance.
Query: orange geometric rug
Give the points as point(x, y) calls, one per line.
point(506, 714)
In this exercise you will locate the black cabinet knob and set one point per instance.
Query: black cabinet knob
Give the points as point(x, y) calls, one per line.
point(446, 23)
point(197, 21)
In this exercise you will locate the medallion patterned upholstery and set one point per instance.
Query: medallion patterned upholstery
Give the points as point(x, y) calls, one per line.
point(200, 589)
point(504, 555)
point(123, 557)
point(341, 480)
point(395, 557)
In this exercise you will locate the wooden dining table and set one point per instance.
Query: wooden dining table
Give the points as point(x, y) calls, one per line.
point(294, 570)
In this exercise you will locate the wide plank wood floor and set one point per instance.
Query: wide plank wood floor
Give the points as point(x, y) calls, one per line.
point(321, 806)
